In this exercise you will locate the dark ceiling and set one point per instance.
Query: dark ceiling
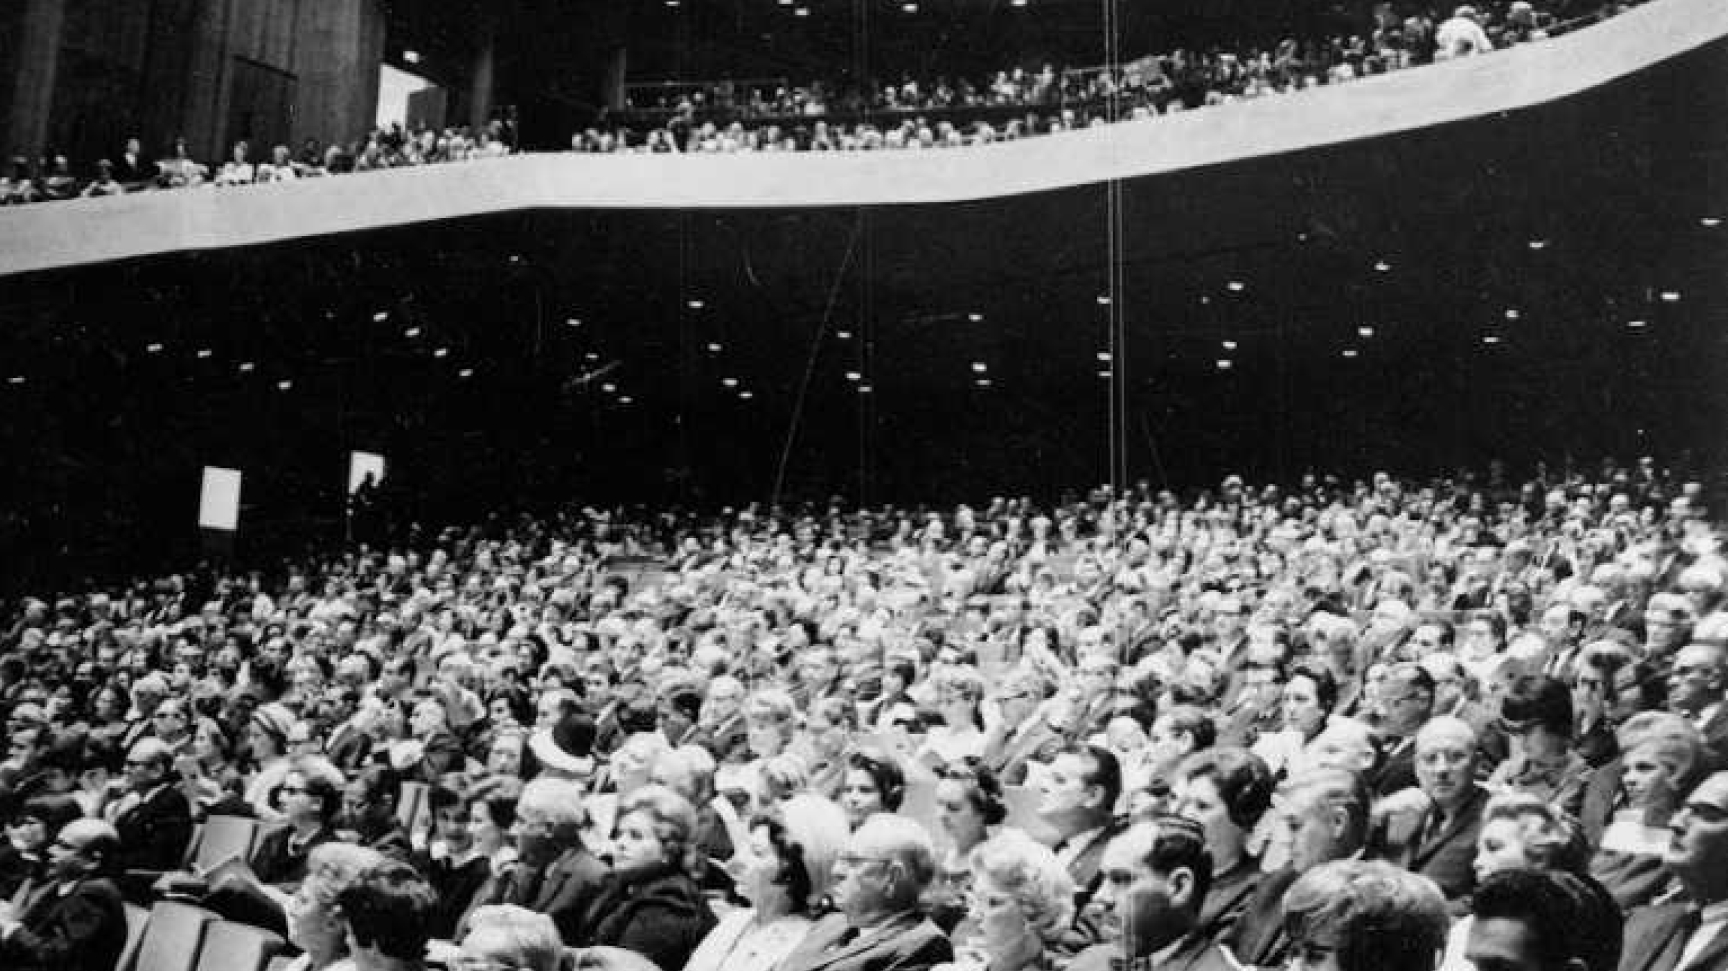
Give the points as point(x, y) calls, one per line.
point(1546, 285)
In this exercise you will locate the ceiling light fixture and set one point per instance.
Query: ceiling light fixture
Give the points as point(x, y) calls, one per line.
point(865, 389)
point(153, 348)
point(695, 304)
point(1382, 266)
point(204, 353)
point(411, 332)
point(982, 382)
point(626, 400)
point(746, 395)
point(1106, 374)
point(729, 382)
point(466, 372)
point(246, 367)
point(713, 348)
point(844, 335)
point(1225, 364)
point(1670, 296)
point(15, 379)
point(1512, 313)
point(1236, 286)
point(441, 352)
point(1229, 345)
point(412, 57)
point(1490, 339)
point(1103, 300)
point(1104, 356)
point(1538, 244)
point(854, 376)
point(980, 367)
point(380, 316)
point(1710, 222)
point(284, 385)
point(1364, 332)
point(1635, 324)
point(1349, 352)
point(574, 322)
point(975, 317)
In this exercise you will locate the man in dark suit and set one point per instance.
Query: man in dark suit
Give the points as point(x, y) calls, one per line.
point(1156, 875)
point(1321, 815)
point(1077, 799)
point(878, 879)
point(76, 921)
point(1407, 701)
point(153, 818)
point(1689, 935)
point(1432, 830)
point(556, 876)
point(720, 725)
point(132, 169)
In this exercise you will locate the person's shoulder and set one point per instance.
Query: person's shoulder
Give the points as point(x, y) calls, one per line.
point(1098, 957)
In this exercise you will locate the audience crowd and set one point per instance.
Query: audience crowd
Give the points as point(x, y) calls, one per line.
point(52, 178)
point(1021, 102)
point(1371, 726)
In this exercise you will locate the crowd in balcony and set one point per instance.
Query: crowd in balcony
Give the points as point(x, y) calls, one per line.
point(1375, 726)
point(53, 178)
point(1025, 101)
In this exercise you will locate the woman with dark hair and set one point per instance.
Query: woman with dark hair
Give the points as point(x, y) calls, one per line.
point(894, 707)
point(1309, 697)
point(651, 902)
point(108, 707)
point(1537, 717)
point(1226, 790)
point(783, 870)
point(874, 783)
point(969, 806)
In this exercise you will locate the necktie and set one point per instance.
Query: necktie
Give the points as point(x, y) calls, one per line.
point(845, 939)
point(1676, 946)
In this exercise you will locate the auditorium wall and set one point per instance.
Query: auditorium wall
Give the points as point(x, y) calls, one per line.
point(78, 77)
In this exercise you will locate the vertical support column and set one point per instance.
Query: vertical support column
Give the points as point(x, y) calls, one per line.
point(27, 90)
point(483, 81)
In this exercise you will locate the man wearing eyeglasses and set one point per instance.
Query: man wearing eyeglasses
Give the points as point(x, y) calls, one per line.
point(153, 817)
point(77, 919)
point(878, 880)
point(1696, 685)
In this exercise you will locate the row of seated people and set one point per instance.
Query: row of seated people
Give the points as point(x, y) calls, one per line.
point(721, 118)
point(1124, 729)
point(53, 177)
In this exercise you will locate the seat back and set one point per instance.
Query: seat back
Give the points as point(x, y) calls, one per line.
point(137, 918)
point(413, 804)
point(172, 937)
point(225, 838)
point(280, 962)
point(230, 946)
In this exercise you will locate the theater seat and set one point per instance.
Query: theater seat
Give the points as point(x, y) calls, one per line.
point(173, 936)
point(229, 946)
point(137, 918)
point(279, 963)
point(412, 803)
point(225, 838)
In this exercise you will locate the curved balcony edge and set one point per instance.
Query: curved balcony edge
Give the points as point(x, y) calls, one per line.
point(87, 231)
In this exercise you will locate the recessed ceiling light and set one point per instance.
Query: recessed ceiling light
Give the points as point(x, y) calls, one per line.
point(1103, 300)
point(592, 356)
point(1349, 352)
point(975, 317)
point(844, 335)
point(246, 367)
point(412, 57)
point(1364, 332)
point(982, 382)
point(284, 385)
point(1710, 222)
point(380, 316)
point(1104, 356)
point(1105, 374)
point(15, 379)
point(695, 304)
point(441, 352)
point(204, 353)
point(466, 372)
point(626, 400)
point(801, 12)
point(1538, 244)
point(1670, 296)
point(153, 348)
point(1635, 324)
point(746, 395)
point(1235, 286)
point(1490, 339)
point(609, 388)
point(713, 348)
point(1382, 266)
point(865, 389)
point(1016, 3)
point(729, 382)
point(909, 7)
point(854, 376)
point(574, 322)
point(980, 366)
point(411, 332)
point(1225, 364)
point(1229, 345)
point(1511, 313)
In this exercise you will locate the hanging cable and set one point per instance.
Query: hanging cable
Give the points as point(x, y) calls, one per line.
point(815, 352)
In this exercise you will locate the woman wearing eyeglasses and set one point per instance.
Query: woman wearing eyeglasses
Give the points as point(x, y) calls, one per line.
point(783, 869)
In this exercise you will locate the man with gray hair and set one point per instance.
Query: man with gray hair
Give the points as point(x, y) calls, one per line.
point(555, 874)
point(1431, 830)
point(878, 880)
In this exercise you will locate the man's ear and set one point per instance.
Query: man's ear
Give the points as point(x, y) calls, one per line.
point(1181, 885)
point(1340, 822)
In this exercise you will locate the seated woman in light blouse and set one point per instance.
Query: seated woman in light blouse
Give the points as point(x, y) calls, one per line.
point(784, 870)
point(959, 697)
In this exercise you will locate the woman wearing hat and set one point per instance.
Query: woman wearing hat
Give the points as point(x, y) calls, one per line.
point(267, 742)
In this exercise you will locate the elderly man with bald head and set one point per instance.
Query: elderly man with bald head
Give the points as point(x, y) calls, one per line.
point(1431, 829)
